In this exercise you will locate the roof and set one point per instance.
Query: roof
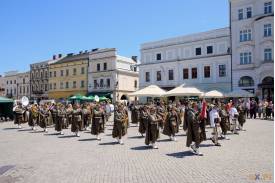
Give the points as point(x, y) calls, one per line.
point(71, 57)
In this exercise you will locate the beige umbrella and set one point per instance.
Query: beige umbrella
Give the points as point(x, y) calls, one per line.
point(149, 91)
point(213, 94)
point(184, 91)
point(239, 93)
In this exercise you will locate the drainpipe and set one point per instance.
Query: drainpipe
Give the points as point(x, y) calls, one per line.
point(230, 32)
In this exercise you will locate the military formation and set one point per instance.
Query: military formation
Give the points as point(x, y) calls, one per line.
point(153, 118)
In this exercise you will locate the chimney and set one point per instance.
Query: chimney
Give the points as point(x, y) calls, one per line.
point(95, 49)
point(54, 57)
point(59, 55)
point(80, 52)
point(134, 58)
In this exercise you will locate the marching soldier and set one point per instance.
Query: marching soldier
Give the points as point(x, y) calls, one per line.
point(44, 118)
point(143, 119)
point(18, 113)
point(120, 124)
point(33, 116)
point(152, 128)
point(135, 113)
point(77, 120)
point(225, 125)
point(191, 125)
point(61, 119)
point(215, 124)
point(171, 126)
point(97, 122)
point(241, 117)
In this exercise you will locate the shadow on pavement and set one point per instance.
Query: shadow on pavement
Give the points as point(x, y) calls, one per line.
point(206, 145)
point(136, 137)
point(140, 148)
point(181, 154)
point(10, 128)
point(91, 139)
point(37, 131)
point(164, 140)
point(50, 134)
point(25, 130)
point(108, 143)
point(67, 136)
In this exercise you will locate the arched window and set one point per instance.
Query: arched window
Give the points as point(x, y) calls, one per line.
point(246, 81)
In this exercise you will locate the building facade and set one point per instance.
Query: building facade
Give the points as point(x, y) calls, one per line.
point(202, 60)
point(2, 86)
point(252, 46)
point(39, 78)
point(68, 76)
point(17, 84)
point(23, 85)
point(112, 75)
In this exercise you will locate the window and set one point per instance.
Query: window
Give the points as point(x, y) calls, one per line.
point(98, 67)
point(245, 58)
point(267, 30)
point(248, 12)
point(20, 89)
point(54, 86)
point(105, 66)
point(24, 89)
point(82, 70)
point(246, 81)
point(158, 75)
point(61, 73)
point(7, 82)
point(194, 73)
point(67, 84)
point(222, 70)
point(267, 54)
point(23, 80)
point(209, 49)
point(67, 72)
point(54, 73)
point(108, 82)
point(185, 73)
point(82, 84)
point(198, 51)
point(268, 7)
point(61, 85)
point(51, 86)
point(10, 81)
point(207, 71)
point(74, 84)
point(101, 82)
point(46, 87)
point(147, 76)
point(135, 84)
point(50, 74)
point(95, 83)
point(27, 89)
point(171, 74)
point(74, 71)
point(240, 14)
point(14, 81)
point(46, 74)
point(158, 56)
point(245, 35)
point(41, 74)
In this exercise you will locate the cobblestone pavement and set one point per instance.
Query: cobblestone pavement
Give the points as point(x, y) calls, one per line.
point(36, 157)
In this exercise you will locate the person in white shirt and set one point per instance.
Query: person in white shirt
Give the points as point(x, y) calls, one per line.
point(215, 124)
point(233, 115)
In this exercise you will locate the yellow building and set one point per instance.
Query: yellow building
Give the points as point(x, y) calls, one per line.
point(69, 76)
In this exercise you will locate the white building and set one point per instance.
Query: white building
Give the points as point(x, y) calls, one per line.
point(111, 75)
point(2, 86)
point(252, 46)
point(202, 60)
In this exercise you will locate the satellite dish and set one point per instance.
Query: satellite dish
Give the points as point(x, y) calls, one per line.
point(96, 98)
point(25, 101)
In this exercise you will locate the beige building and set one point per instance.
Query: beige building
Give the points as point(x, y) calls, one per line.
point(23, 82)
point(112, 75)
point(2, 86)
point(68, 76)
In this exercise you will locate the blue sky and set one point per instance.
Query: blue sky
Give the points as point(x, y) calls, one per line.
point(34, 30)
